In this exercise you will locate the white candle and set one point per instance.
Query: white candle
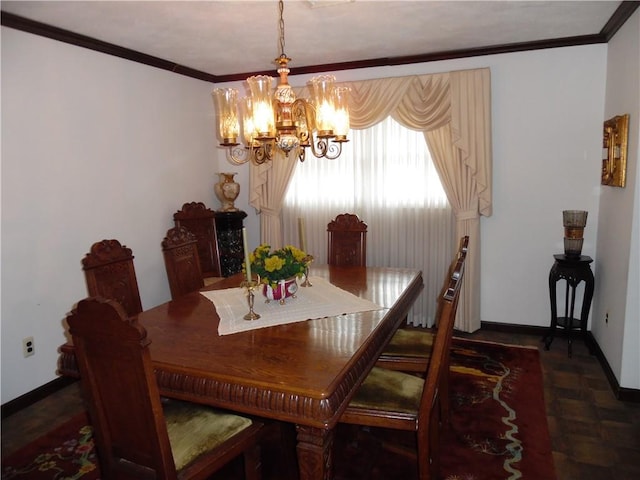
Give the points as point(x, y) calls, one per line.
point(302, 235)
point(247, 263)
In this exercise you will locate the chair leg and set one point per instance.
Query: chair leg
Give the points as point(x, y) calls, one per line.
point(367, 441)
point(253, 463)
point(286, 434)
point(428, 448)
point(445, 405)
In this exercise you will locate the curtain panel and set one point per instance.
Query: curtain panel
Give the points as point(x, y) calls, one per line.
point(453, 109)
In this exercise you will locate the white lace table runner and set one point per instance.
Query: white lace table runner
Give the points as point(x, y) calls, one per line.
point(321, 300)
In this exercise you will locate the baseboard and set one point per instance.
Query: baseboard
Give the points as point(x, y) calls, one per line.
point(631, 395)
point(622, 393)
point(36, 395)
point(513, 328)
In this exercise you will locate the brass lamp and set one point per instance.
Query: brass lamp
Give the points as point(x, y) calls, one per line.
point(282, 122)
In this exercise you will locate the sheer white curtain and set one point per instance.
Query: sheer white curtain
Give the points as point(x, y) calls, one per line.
point(385, 176)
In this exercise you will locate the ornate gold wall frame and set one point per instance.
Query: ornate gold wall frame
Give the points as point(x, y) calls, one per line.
point(614, 151)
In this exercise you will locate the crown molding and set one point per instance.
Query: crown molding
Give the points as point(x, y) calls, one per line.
point(619, 17)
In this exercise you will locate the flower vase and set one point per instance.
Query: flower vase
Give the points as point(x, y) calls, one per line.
point(283, 289)
point(227, 190)
point(574, 222)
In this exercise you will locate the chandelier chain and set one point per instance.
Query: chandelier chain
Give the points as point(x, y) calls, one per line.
point(281, 7)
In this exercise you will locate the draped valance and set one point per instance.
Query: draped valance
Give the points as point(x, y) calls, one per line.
point(428, 102)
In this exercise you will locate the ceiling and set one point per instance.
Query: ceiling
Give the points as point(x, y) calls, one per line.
point(230, 39)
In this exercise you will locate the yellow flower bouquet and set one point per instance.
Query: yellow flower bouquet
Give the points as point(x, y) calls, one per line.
point(283, 264)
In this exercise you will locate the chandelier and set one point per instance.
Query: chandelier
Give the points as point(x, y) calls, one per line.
point(280, 121)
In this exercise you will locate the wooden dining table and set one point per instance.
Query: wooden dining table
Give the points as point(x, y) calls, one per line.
point(304, 372)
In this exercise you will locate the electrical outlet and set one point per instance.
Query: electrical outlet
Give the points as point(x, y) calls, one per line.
point(28, 347)
point(606, 318)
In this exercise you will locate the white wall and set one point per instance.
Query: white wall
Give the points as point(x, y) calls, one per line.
point(617, 287)
point(93, 147)
point(98, 147)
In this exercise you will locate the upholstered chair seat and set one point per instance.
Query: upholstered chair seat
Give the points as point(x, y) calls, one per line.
point(390, 391)
point(412, 343)
point(195, 429)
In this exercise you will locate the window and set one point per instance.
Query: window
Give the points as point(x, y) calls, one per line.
point(385, 176)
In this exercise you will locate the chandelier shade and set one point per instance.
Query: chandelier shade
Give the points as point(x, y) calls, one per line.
point(275, 121)
point(226, 107)
point(263, 124)
point(341, 125)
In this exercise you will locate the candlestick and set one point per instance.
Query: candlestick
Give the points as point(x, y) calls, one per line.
point(302, 235)
point(307, 260)
point(250, 287)
point(247, 263)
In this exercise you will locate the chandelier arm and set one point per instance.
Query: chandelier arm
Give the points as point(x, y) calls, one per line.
point(261, 153)
point(238, 155)
point(257, 154)
point(269, 150)
point(309, 115)
point(336, 148)
point(324, 148)
point(301, 118)
point(319, 146)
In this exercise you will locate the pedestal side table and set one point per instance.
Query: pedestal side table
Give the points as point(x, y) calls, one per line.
point(574, 270)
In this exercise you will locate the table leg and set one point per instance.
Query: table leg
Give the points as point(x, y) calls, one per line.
point(315, 446)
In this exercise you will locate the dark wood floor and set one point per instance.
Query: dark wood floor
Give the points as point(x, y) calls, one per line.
point(594, 436)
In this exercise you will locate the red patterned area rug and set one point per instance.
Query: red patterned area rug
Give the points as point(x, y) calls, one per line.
point(499, 431)
point(498, 427)
point(499, 424)
point(65, 453)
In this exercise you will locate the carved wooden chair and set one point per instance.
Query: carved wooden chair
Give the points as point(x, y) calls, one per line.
point(390, 399)
point(410, 348)
point(200, 221)
point(110, 273)
point(180, 251)
point(347, 241)
point(138, 435)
